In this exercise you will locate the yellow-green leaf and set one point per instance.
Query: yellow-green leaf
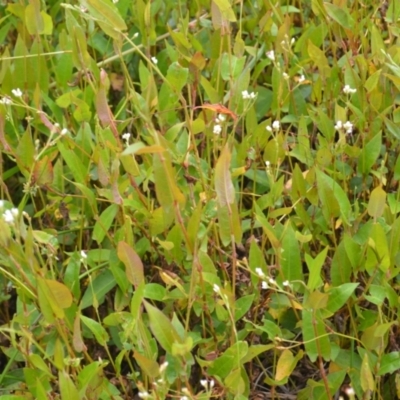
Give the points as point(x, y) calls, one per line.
point(223, 181)
point(377, 202)
point(133, 264)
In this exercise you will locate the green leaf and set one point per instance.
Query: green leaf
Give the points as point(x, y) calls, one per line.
point(226, 10)
point(286, 365)
point(67, 388)
point(177, 76)
point(97, 329)
point(378, 255)
point(147, 365)
point(315, 266)
point(231, 66)
point(389, 363)
point(319, 59)
point(167, 191)
point(97, 289)
point(366, 377)
point(339, 295)
point(154, 291)
point(290, 259)
point(377, 202)
point(33, 18)
point(107, 16)
point(223, 365)
point(329, 189)
point(133, 264)
point(53, 297)
point(243, 305)
point(340, 15)
point(73, 162)
point(104, 222)
point(314, 336)
point(369, 154)
point(161, 327)
point(222, 179)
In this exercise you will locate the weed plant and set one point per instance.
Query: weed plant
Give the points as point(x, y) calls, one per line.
point(200, 199)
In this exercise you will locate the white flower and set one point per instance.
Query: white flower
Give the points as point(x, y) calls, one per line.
point(203, 382)
point(260, 272)
point(16, 92)
point(212, 383)
point(285, 283)
point(216, 290)
point(185, 390)
point(217, 129)
point(135, 35)
point(126, 137)
point(285, 76)
point(339, 125)
point(348, 90)
point(1, 204)
point(154, 59)
point(276, 125)
point(6, 101)
point(271, 55)
point(267, 164)
point(14, 212)
point(184, 398)
point(8, 217)
point(350, 391)
point(272, 281)
point(83, 256)
point(348, 126)
point(64, 131)
point(302, 78)
point(221, 117)
point(246, 95)
point(292, 41)
point(268, 128)
point(144, 395)
point(264, 285)
point(163, 367)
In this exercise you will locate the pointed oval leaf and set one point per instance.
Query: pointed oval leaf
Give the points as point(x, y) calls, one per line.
point(133, 264)
point(223, 182)
point(377, 202)
point(162, 328)
point(97, 329)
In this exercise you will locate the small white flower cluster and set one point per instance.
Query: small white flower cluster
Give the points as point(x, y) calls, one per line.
point(265, 278)
point(302, 78)
point(276, 125)
point(154, 60)
point(144, 395)
point(271, 55)
point(83, 256)
point(208, 385)
point(347, 126)
point(126, 136)
point(248, 96)
point(16, 92)
point(6, 101)
point(348, 90)
point(9, 216)
point(218, 124)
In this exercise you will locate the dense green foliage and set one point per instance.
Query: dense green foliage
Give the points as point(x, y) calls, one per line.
point(199, 199)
